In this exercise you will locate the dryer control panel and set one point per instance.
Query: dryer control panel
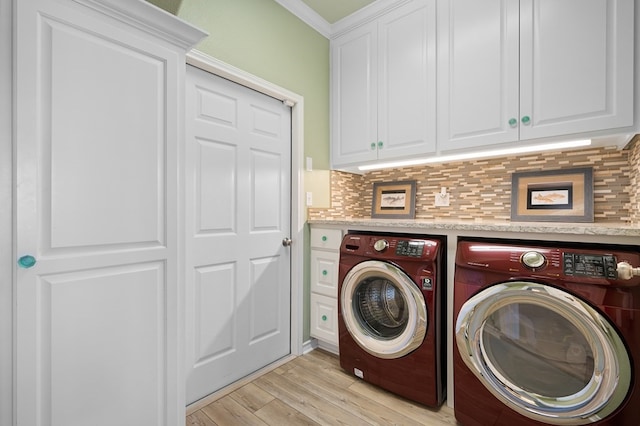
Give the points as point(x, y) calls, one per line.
point(589, 265)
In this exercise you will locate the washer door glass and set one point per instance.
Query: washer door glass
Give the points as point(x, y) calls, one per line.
point(383, 309)
point(544, 352)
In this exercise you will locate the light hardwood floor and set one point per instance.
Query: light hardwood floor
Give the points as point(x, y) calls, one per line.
point(314, 390)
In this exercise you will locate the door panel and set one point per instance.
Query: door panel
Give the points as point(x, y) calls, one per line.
point(575, 74)
point(477, 75)
point(407, 83)
point(108, 324)
point(238, 212)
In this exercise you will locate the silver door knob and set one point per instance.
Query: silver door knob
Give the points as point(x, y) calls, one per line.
point(286, 242)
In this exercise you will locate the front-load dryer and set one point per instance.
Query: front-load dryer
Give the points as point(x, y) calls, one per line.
point(391, 313)
point(546, 334)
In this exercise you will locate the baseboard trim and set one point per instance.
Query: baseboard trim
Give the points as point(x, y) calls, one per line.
point(192, 408)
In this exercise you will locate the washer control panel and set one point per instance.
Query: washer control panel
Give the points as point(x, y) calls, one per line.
point(590, 265)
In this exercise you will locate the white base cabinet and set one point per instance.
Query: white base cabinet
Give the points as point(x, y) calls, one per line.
point(325, 257)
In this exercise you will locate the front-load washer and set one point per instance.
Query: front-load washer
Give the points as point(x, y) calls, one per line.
point(546, 334)
point(391, 313)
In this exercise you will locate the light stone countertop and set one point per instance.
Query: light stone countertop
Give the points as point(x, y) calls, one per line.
point(595, 229)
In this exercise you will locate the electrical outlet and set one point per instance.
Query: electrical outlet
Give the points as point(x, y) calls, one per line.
point(309, 199)
point(442, 200)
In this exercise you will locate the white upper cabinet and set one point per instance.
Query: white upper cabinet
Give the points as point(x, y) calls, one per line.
point(383, 86)
point(513, 70)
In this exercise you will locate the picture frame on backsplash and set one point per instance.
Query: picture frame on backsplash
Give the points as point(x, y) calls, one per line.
point(394, 200)
point(564, 195)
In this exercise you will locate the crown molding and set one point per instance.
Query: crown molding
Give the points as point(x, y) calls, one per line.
point(364, 15)
point(307, 15)
point(318, 23)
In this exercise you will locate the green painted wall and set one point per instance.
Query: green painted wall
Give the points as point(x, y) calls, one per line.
point(264, 39)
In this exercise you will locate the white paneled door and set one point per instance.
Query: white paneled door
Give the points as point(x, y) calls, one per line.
point(97, 132)
point(238, 213)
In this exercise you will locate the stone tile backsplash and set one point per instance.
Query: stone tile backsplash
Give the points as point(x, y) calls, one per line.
point(481, 190)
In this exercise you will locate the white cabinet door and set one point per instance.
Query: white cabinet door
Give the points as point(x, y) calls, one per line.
point(324, 318)
point(383, 87)
point(513, 71)
point(354, 80)
point(576, 69)
point(324, 272)
point(407, 81)
point(477, 73)
point(97, 134)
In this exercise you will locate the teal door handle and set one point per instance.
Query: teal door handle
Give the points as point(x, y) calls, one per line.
point(26, 261)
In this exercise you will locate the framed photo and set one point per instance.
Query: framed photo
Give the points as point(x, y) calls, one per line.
point(394, 200)
point(553, 196)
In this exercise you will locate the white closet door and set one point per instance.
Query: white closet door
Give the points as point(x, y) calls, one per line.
point(96, 157)
point(238, 198)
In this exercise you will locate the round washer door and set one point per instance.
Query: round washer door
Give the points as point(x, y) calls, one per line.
point(544, 353)
point(383, 309)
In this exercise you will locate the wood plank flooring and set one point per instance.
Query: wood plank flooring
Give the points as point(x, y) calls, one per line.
point(314, 390)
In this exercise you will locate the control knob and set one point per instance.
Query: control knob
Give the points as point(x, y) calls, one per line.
point(533, 259)
point(381, 245)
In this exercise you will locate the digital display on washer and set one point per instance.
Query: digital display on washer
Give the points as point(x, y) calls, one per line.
point(410, 248)
point(589, 265)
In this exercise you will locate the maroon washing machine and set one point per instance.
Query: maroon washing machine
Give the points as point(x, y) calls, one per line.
point(391, 313)
point(546, 334)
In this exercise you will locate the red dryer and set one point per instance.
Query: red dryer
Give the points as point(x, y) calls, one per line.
point(391, 313)
point(546, 334)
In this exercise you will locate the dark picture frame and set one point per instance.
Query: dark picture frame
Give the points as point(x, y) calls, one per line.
point(564, 195)
point(394, 200)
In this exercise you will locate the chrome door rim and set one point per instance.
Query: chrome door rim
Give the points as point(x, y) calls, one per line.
point(611, 378)
point(413, 335)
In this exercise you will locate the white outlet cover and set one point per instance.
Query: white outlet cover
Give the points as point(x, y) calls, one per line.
point(442, 200)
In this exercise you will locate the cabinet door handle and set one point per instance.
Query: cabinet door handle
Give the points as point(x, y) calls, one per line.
point(380, 145)
point(26, 261)
point(513, 122)
point(526, 119)
point(324, 238)
point(373, 146)
point(324, 272)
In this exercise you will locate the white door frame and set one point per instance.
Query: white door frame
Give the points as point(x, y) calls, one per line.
point(296, 102)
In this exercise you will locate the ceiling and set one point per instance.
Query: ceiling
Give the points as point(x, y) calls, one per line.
point(334, 10)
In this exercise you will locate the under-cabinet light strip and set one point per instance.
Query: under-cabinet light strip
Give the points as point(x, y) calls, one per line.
point(478, 154)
